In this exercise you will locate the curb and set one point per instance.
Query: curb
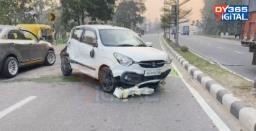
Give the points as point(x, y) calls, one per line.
point(245, 114)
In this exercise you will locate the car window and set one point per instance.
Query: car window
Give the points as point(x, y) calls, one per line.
point(120, 37)
point(29, 36)
point(77, 33)
point(16, 35)
point(88, 36)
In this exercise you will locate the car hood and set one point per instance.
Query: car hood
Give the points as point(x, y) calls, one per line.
point(140, 53)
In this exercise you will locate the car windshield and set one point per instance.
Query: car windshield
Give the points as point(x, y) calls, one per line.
point(120, 37)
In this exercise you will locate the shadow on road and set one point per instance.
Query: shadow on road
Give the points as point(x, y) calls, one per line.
point(24, 70)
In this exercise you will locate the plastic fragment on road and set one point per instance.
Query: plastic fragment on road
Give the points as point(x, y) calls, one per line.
point(125, 93)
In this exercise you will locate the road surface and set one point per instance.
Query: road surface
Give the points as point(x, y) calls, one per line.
point(40, 100)
point(228, 53)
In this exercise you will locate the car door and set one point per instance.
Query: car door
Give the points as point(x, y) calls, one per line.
point(73, 44)
point(88, 49)
point(38, 49)
point(21, 45)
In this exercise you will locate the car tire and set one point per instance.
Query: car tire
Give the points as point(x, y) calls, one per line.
point(11, 67)
point(155, 86)
point(50, 58)
point(65, 66)
point(107, 80)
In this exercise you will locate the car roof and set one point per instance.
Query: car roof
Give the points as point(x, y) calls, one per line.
point(99, 27)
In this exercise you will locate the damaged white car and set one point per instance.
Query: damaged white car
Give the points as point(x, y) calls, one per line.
point(116, 56)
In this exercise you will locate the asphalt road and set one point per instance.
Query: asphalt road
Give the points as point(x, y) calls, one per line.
point(40, 99)
point(228, 53)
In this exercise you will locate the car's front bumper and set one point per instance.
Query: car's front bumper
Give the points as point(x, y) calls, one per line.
point(130, 79)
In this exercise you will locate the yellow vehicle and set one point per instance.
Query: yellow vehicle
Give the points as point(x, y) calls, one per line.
point(43, 32)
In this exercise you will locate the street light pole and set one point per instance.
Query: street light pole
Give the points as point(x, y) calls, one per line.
point(177, 23)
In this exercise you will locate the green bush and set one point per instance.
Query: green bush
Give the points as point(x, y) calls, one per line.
point(184, 49)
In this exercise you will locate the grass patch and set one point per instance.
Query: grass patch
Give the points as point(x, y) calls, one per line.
point(219, 74)
point(61, 40)
point(56, 79)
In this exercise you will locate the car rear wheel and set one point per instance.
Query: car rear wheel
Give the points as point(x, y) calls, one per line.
point(107, 80)
point(50, 58)
point(11, 67)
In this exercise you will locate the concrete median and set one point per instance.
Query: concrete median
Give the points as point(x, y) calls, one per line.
point(245, 114)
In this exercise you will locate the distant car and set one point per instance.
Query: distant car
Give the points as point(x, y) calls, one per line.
point(19, 48)
point(116, 56)
point(185, 30)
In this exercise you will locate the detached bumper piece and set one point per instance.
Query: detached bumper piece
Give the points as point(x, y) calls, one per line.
point(137, 84)
point(130, 79)
point(125, 93)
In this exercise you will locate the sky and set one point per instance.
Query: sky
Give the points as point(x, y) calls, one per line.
point(154, 9)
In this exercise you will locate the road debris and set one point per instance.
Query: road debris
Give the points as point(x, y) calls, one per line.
point(125, 93)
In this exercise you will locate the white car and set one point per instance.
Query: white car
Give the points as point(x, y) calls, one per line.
point(115, 56)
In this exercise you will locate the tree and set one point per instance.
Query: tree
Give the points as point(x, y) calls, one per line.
point(130, 13)
point(101, 9)
point(168, 18)
point(7, 12)
point(74, 12)
point(22, 11)
point(198, 24)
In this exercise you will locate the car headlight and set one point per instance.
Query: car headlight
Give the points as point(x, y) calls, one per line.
point(123, 60)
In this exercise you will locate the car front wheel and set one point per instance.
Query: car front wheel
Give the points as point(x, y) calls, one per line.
point(11, 67)
point(65, 66)
point(155, 86)
point(50, 58)
point(107, 80)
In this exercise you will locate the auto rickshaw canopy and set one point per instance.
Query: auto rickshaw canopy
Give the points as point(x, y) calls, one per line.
point(42, 31)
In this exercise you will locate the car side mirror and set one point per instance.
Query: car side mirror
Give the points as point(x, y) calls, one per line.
point(149, 44)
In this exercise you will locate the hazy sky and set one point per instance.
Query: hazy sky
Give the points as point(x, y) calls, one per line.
point(154, 9)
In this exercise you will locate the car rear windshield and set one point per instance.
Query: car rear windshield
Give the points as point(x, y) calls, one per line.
point(120, 38)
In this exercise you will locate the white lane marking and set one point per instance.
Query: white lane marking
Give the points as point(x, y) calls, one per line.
point(208, 110)
point(238, 52)
point(219, 47)
point(16, 106)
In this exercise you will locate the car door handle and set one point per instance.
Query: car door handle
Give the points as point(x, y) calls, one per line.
point(92, 53)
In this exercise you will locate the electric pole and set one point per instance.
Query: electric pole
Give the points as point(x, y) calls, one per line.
point(177, 23)
point(164, 15)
